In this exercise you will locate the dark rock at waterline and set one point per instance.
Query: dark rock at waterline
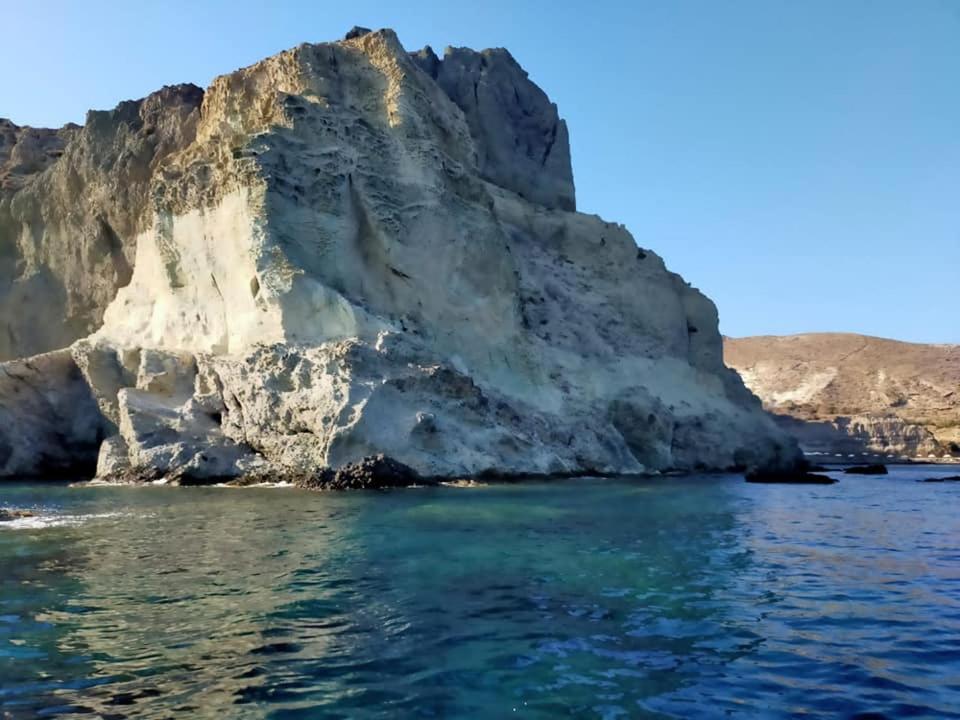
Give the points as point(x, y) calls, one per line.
point(788, 477)
point(817, 468)
point(375, 472)
point(866, 470)
point(949, 478)
point(8, 514)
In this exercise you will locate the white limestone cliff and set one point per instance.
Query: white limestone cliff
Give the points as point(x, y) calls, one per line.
point(346, 250)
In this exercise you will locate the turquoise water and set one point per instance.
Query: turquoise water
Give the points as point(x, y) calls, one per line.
point(682, 597)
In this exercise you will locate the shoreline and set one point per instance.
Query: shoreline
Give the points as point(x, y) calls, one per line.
point(460, 481)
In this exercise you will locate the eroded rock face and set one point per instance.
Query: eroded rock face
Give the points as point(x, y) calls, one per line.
point(851, 394)
point(72, 202)
point(338, 256)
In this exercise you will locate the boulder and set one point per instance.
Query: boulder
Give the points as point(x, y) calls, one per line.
point(377, 472)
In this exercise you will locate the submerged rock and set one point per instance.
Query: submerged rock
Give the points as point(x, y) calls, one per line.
point(796, 477)
point(10, 514)
point(866, 470)
point(949, 478)
point(347, 251)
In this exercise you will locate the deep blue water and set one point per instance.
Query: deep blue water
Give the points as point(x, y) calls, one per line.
point(680, 597)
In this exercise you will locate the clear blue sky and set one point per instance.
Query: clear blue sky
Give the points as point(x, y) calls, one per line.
point(799, 161)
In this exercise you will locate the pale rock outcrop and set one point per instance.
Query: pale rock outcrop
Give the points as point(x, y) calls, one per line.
point(348, 251)
point(841, 393)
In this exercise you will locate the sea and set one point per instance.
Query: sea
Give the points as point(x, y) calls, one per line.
point(669, 597)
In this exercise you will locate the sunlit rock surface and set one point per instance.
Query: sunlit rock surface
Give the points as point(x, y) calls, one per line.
point(345, 250)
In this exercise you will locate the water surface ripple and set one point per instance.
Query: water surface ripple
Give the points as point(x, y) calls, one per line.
point(674, 598)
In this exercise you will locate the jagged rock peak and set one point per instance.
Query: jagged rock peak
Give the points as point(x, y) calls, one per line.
point(357, 31)
point(522, 141)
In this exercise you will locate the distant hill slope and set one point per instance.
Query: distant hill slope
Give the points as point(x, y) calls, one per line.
point(847, 393)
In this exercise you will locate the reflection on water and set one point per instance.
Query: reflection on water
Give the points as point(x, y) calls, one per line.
point(683, 598)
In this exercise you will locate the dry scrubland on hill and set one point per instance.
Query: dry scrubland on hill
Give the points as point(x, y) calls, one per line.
point(843, 393)
point(344, 249)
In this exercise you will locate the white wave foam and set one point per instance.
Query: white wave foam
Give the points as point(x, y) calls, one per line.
point(41, 521)
point(265, 484)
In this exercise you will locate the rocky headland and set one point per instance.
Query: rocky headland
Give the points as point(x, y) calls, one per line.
point(846, 394)
point(346, 259)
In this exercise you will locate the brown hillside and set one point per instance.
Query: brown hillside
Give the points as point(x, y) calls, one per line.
point(904, 397)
